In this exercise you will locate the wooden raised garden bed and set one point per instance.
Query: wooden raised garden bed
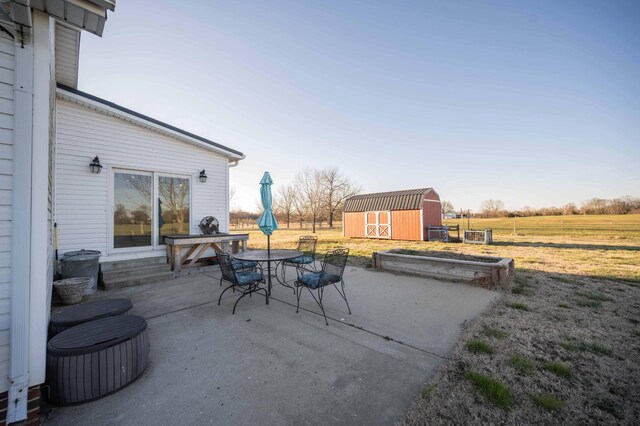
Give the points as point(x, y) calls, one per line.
point(484, 271)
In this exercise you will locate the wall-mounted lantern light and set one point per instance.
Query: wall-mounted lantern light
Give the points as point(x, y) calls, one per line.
point(203, 176)
point(95, 165)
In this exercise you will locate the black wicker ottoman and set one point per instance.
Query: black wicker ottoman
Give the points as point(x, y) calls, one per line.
point(97, 358)
point(65, 318)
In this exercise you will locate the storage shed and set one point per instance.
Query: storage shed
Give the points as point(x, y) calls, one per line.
point(397, 215)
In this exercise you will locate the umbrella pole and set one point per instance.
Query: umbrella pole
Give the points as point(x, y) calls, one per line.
point(269, 262)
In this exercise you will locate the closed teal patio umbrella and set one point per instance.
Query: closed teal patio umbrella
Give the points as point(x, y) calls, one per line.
point(267, 221)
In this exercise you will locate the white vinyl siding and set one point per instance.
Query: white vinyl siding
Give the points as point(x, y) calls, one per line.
point(67, 52)
point(6, 172)
point(82, 209)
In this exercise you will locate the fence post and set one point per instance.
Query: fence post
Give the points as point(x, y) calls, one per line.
point(610, 229)
point(514, 228)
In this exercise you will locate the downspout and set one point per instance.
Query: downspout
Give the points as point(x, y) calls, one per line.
point(21, 225)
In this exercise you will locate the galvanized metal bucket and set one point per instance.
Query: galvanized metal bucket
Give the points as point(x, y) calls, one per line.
point(82, 263)
point(71, 290)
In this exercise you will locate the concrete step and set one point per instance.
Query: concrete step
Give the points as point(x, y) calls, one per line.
point(132, 263)
point(136, 279)
point(138, 270)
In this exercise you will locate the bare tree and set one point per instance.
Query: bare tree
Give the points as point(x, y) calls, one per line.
point(335, 188)
point(594, 206)
point(240, 217)
point(300, 207)
point(569, 209)
point(308, 183)
point(447, 206)
point(492, 208)
point(284, 202)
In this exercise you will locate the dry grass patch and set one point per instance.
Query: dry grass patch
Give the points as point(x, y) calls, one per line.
point(608, 406)
point(523, 290)
point(495, 332)
point(582, 346)
point(592, 295)
point(588, 303)
point(517, 305)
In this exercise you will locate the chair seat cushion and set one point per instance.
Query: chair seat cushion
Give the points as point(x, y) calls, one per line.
point(243, 264)
point(248, 277)
point(317, 279)
point(301, 260)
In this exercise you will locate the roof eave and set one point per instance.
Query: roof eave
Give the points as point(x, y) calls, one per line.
point(88, 15)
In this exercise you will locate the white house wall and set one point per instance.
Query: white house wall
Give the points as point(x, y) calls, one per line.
point(6, 155)
point(82, 210)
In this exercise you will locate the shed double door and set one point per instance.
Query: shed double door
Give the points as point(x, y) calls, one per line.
point(378, 224)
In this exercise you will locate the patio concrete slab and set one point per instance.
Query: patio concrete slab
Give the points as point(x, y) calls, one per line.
point(269, 365)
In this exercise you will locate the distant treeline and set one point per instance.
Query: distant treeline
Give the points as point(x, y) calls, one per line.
point(622, 205)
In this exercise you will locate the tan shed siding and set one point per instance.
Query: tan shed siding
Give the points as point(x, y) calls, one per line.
point(6, 173)
point(81, 204)
point(354, 224)
point(405, 225)
point(67, 50)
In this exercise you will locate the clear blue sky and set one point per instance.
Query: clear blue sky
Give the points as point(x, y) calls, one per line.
point(534, 103)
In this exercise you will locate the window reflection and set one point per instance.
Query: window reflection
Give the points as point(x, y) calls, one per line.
point(173, 206)
point(132, 215)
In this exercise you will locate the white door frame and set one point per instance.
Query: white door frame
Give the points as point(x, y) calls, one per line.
point(111, 210)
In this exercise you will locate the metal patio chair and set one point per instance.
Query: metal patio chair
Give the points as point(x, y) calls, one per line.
point(307, 245)
point(240, 265)
point(331, 274)
point(246, 282)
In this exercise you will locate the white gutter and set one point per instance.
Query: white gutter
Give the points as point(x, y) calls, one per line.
point(236, 162)
point(21, 226)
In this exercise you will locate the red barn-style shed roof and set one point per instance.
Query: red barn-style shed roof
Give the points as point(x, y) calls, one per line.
point(410, 199)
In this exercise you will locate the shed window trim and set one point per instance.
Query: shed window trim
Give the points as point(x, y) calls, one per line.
point(377, 229)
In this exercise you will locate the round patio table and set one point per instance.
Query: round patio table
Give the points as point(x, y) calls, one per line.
point(268, 256)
